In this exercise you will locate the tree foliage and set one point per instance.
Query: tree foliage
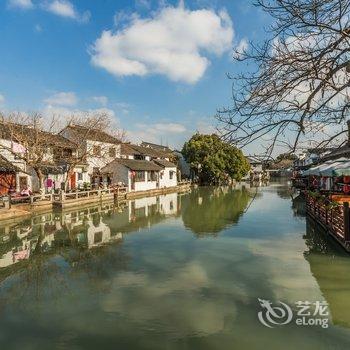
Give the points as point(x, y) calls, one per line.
point(213, 160)
point(296, 87)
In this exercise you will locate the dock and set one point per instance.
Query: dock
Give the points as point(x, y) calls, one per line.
point(333, 218)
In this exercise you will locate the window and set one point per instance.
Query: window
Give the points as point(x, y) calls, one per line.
point(139, 157)
point(98, 237)
point(80, 176)
point(152, 176)
point(96, 150)
point(171, 174)
point(139, 176)
point(112, 152)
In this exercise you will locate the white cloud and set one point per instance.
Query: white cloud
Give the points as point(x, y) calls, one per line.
point(174, 42)
point(241, 48)
point(169, 127)
point(103, 100)
point(205, 127)
point(69, 112)
point(2, 100)
point(22, 4)
point(165, 133)
point(65, 8)
point(143, 4)
point(62, 99)
point(123, 107)
point(162, 127)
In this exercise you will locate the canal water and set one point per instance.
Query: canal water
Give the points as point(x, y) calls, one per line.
point(175, 272)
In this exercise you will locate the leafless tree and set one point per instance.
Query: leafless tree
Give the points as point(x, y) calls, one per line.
point(93, 127)
point(32, 139)
point(296, 84)
point(28, 139)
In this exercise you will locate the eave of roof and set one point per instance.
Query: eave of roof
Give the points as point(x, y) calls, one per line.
point(165, 163)
point(92, 134)
point(134, 164)
point(8, 167)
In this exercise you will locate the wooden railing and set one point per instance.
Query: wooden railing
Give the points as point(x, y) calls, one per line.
point(118, 191)
point(336, 218)
point(32, 199)
point(67, 196)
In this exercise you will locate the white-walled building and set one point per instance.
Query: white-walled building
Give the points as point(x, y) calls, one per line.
point(30, 150)
point(96, 147)
point(141, 175)
point(136, 175)
point(167, 176)
point(12, 178)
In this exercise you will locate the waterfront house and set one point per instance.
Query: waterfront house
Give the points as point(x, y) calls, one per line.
point(167, 176)
point(156, 147)
point(128, 152)
point(12, 177)
point(96, 148)
point(131, 151)
point(32, 151)
point(135, 174)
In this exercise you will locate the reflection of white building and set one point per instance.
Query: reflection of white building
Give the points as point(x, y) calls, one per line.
point(100, 234)
point(168, 204)
point(18, 253)
point(165, 204)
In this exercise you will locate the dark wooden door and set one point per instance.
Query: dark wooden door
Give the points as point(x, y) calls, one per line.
point(73, 181)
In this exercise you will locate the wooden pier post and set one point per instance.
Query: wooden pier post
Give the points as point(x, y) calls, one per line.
point(346, 221)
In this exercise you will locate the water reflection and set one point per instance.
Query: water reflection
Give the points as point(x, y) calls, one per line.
point(134, 275)
point(87, 228)
point(209, 210)
point(329, 264)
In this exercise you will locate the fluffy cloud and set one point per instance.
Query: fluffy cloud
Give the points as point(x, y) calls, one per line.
point(23, 4)
point(102, 100)
point(156, 128)
point(241, 48)
point(174, 42)
point(169, 133)
point(64, 8)
point(69, 112)
point(62, 99)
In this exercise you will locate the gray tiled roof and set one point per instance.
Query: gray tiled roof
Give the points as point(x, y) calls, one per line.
point(7, 167)
point(133, 164)
point(81, 132)
point(165, 163)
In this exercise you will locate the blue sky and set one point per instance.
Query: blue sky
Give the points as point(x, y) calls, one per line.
point(158, 67)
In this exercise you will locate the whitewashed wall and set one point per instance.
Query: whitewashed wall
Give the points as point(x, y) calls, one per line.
point(5, 152)
point(104, 159)
point(145, 185)
point(165, 181)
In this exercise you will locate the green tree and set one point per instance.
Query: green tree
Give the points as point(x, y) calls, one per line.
point(213, 160)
